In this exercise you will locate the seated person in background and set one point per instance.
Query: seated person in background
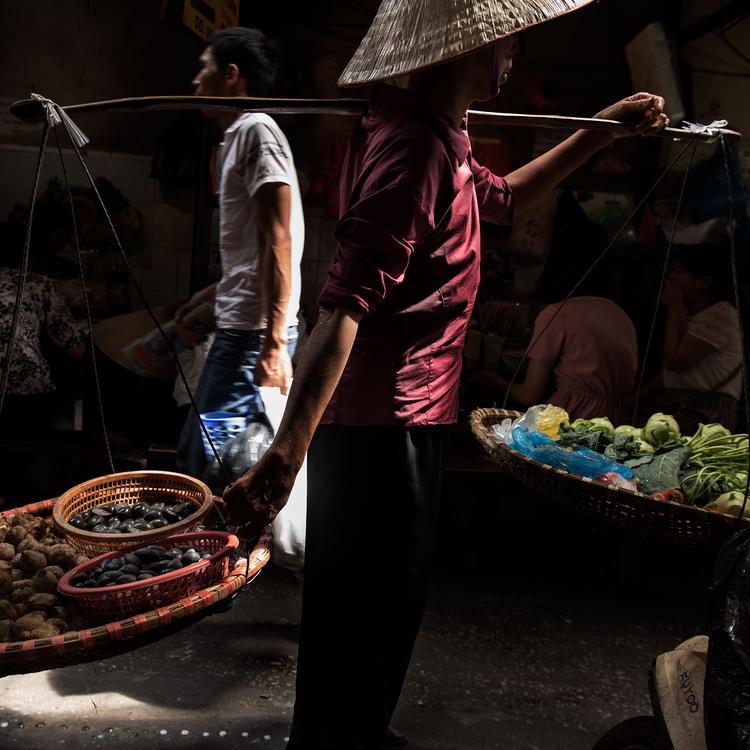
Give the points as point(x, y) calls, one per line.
point(43, 313)
point(586, 355)
point(701, 378)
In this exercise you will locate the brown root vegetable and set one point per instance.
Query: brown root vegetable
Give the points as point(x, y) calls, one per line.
point(16, 534)
point(6, 566)
point(30, 543)
point(7, 551)
point(6, 583)
point(16, 574)
point(21, 609)
point(46, 579)
point(22, 594)
point(8, 611)
point(59, 623)
point(39, 528)
point(23, 626)
point(33, 561)
point(42, 602)
point(63, 555)
point(44, 631)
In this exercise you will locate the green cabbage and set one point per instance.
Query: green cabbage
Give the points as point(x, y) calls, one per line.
point(628, 429)
point(661, 429)
point(730, 502)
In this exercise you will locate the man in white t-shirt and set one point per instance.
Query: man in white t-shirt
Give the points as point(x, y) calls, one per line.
point(261, 240)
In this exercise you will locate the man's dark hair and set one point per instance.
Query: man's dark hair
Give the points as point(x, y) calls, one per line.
point(250, 51)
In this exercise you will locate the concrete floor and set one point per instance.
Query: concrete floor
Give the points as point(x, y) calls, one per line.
point(539, 633)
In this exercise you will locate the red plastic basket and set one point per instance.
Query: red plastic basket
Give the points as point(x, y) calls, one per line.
point(114, 602)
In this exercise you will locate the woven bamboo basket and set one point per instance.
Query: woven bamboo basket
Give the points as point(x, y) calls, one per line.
point(130, 487)
point(645, 514)
point(110, 639)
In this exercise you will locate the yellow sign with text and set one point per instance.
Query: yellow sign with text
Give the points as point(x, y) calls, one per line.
point(206, 16)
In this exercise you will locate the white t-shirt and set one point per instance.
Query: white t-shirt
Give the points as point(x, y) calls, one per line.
point(718, 326)
point(253, 153)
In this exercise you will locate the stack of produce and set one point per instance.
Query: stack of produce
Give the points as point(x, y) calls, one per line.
point(32, 560)
point(708, 469)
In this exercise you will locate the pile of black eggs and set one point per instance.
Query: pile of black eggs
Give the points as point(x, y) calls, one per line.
point(139, 565)
point(127, 519)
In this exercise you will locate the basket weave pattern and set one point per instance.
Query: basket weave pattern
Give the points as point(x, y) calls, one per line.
point(130, 487)
point(615, 505)
point(111, 602)
point(75, 645)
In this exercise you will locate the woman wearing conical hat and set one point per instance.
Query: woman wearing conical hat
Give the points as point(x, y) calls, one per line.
point(376, 387)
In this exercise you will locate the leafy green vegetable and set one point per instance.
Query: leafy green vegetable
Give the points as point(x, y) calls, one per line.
point(662, 472)
point(661, 429)
point(628, 429)
point(594, 425)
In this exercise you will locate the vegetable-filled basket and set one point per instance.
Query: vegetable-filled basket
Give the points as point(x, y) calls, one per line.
point(118, 636)
point(615, 505)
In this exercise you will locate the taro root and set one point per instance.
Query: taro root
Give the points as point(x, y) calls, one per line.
point(42, 602)
point(33, 561)
point(16, 534)
point(23, 626)
point(21, 609)
point(46, 579)
point(58, 623)
point(22, 594)
point(6, 566)
point(4, 529)
point(6, 583)
point(63, 555)
point(29, 543)
point(16, 574)
point(7, 551)
point(8, 611)
point(45, 630)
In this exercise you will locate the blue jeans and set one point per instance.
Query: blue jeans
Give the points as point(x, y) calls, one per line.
point(226, 384)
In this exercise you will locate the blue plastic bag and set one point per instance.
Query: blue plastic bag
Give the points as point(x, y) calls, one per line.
point(581, 461)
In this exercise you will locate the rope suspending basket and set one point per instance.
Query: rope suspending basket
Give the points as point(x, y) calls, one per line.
point(667, 513)
point(105, 517)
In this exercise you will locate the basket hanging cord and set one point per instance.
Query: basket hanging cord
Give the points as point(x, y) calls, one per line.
point(589, 270)
point(23, 269)
point(74, 136)
point(661, 284)
point(86, 304)
point(735, 281)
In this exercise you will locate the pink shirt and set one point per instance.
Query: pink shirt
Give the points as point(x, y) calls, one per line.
point(408, 257)
point(592, 349)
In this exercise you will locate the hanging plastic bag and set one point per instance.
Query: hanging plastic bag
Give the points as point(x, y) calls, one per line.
point(289, 526)
point(241, 453)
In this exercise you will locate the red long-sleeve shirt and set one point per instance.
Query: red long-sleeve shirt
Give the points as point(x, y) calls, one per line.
point(408, 257)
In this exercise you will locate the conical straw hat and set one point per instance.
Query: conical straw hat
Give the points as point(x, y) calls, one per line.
point(408, 35)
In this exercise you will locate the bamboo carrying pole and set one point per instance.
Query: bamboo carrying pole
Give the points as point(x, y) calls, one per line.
point(31, 110)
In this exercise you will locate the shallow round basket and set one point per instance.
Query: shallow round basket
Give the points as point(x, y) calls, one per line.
point(113, 602)
point(120, 636)
point(130, 487)
point(645, 514)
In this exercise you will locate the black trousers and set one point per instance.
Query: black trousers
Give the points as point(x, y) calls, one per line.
point(373, 496)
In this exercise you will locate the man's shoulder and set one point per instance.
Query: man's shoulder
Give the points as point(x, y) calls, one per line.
point(258, 126)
